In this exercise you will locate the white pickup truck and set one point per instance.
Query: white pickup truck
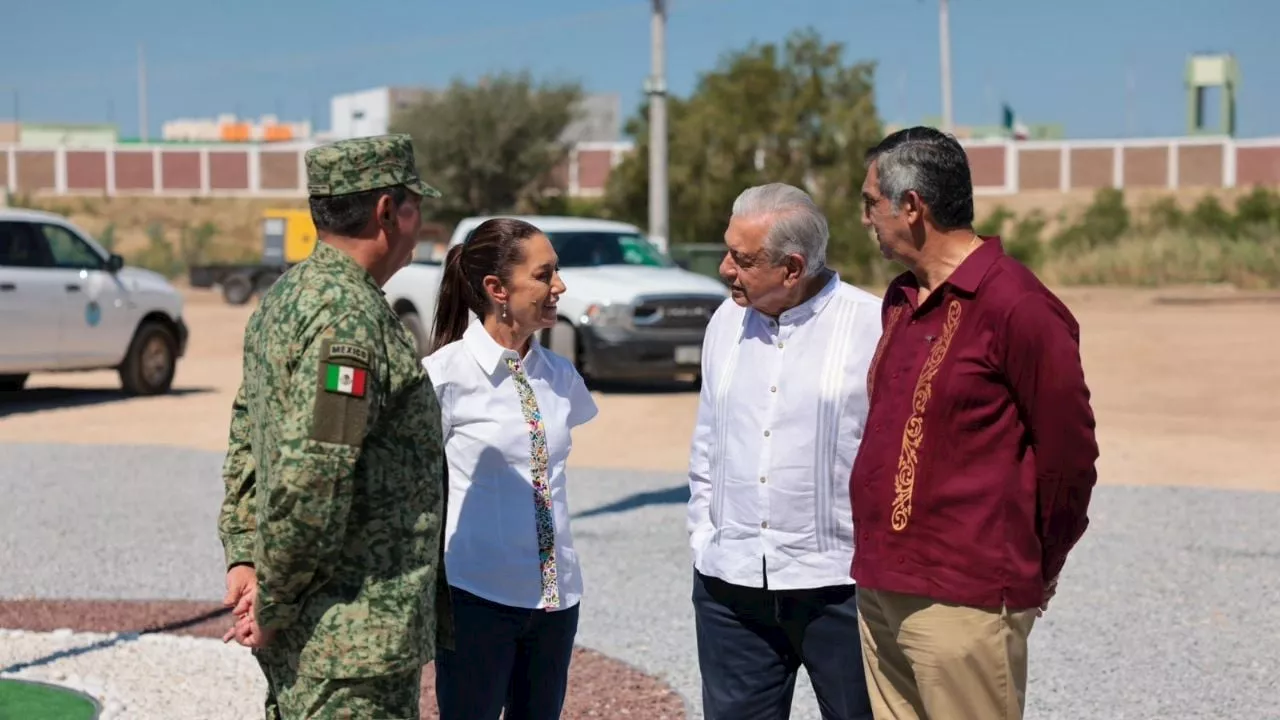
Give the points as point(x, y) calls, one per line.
point(628, 312)
point(66, 304)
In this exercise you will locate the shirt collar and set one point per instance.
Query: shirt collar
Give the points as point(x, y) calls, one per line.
point(812, 306)
point(968, 276)
point(328, 256)
point(488, 354)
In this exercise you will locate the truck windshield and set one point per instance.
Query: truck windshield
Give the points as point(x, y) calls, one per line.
point(593, 249)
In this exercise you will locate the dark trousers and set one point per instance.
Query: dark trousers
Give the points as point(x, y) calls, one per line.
point(505, 657)
point(752, 641)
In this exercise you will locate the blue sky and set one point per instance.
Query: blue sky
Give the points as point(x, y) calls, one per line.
point(1101, 68)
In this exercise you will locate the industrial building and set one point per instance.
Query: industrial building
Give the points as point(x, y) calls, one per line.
point(370, 112)
point(229, 128)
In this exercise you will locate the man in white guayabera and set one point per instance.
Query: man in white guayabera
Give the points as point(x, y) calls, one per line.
point(780, 418)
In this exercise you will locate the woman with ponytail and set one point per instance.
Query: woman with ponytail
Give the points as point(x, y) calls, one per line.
point(508, 406)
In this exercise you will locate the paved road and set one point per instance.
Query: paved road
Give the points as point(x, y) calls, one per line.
point(1167, 610)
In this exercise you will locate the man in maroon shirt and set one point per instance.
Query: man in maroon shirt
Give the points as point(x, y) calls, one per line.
point(973, 480)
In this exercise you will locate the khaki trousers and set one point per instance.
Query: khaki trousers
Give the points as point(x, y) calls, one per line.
point(927, 660)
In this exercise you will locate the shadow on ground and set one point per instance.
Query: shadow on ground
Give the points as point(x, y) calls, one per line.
point(47, 616)
point(677, 495)
point(55, 398)
point(626, 387)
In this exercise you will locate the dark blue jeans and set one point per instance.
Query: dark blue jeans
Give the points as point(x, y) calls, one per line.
point(752, 641)
point(505, 657)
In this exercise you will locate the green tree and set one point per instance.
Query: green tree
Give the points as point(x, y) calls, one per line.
point(158, 255)
point(107, 238)
point(1102, 223)
point(795, 113)
point(195, 243)
point(491, 145)
point(994, 223)
point(1260, 209)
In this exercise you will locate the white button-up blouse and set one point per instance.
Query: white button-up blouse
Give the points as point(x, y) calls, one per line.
point(491, 542)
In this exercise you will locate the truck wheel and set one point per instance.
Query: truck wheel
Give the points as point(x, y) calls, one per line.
point(12, 383)
point(263, 282)
point(236, 289)
point(413, 324)
point(151, 362)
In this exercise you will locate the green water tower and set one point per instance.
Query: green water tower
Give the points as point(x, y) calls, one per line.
point(1204, 71)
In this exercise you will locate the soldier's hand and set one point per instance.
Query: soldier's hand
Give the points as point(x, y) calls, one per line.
point(243, 630)
point(242, 591)
point(242, 586)
point(249, 634)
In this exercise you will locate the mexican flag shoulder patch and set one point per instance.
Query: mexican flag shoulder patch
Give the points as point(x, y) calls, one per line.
point(345, 379)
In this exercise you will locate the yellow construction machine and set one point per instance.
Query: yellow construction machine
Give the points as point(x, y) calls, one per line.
point(288, 237)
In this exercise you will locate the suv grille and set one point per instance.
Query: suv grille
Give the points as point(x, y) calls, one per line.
point(676, 312)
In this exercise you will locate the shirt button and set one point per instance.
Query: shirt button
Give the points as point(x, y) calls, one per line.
point(764, 524)
point(773, 388)
point(762, 478)
point(779, 344)
point(766, 433)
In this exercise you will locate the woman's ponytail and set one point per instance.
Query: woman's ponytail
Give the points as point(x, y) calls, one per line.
point(452, 306)
point(493, 248)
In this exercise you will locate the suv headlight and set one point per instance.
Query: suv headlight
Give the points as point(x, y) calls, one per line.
point(607, 315)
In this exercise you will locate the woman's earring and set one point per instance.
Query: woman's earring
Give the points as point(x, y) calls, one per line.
point(504, 311)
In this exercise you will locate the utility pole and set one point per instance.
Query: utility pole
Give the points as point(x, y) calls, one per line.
point(142, 95)
point(656, 88)
point(944, 51)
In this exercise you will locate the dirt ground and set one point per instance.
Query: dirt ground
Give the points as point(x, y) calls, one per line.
point(1185, 394)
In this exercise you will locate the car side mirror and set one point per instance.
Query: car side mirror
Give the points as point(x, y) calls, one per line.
point(114, 263)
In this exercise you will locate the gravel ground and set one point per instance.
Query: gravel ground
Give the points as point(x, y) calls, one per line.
point(108, 648)
point(1166, 610)
point(124, 668)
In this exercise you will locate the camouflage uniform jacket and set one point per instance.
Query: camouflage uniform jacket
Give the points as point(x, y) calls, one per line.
point(335, 487)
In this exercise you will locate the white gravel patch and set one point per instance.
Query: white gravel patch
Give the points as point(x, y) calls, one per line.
point(142, 677)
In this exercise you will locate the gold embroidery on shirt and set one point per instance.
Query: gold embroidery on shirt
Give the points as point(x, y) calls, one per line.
point(913, 433)
point(894, 313)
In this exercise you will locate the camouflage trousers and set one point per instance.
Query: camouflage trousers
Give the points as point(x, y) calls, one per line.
point(297, 697)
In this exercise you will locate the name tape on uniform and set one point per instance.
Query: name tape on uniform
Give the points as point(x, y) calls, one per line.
point(346, 351)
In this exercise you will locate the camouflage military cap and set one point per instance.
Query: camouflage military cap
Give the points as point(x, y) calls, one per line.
point(360, 164)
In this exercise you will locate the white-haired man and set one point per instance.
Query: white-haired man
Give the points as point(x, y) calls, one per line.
point(780, 418)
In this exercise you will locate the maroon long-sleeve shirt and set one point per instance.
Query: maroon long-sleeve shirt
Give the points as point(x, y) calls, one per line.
point(974, 476)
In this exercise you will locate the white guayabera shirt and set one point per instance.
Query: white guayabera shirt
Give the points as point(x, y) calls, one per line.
point(780, 418)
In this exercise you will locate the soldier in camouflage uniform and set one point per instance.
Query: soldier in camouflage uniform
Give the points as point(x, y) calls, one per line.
point(333, 516)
